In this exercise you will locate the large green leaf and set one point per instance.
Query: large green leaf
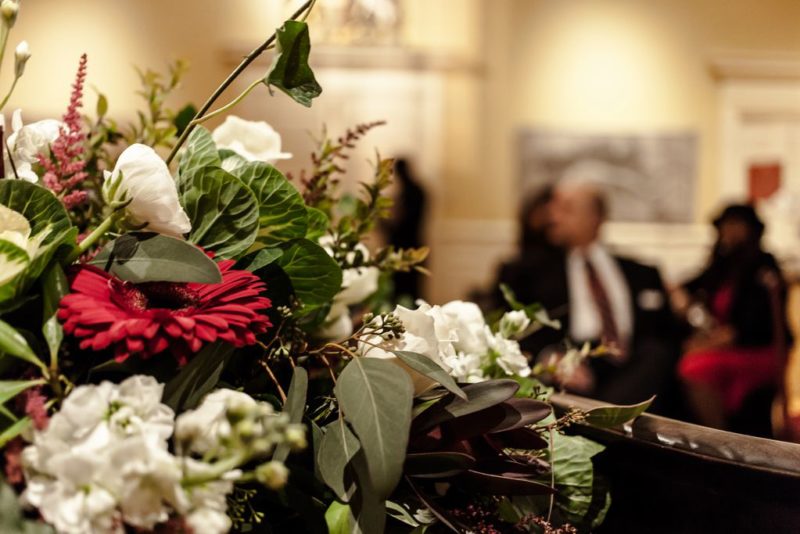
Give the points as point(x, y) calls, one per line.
point(223, 211)
point(295, 406)
point(610, 416)
point(48, 220)
point(318, 224)
point(376, 399)
point(290, 71)
point(479, 397)
point(574, 475)
point(282, 213)
point(147, 257)
point(200, 152)
point(198, 377)
point(54, 287)
point(315, 276)
point(259, 259)
point(337, 448)
point(426, 366)
point(12, 343)
point(13, 261)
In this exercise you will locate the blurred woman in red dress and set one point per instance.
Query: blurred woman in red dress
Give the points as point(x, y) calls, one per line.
point(737, 309)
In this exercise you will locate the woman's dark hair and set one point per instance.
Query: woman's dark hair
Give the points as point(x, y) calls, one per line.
point(743, 213)
point(532, 237)
point(727, 264)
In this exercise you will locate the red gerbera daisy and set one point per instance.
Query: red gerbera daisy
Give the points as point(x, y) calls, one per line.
point(152, 317)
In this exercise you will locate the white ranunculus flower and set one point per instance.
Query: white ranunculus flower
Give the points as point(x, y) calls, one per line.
point(204, 427)
point(470, 326)
point(16, 230)
point(27, 142)
point(514, 323)
point(253, 140)
point(427, 332)
point(142, 177)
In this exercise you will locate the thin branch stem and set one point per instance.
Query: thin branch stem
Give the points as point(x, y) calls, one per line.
point(10, 91)
point(230, 79)
point(552, 477)
point(230, 105)
point(267, 368)
point(96, 234)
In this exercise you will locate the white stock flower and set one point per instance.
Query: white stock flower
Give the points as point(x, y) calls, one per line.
point(253, 140)
point(509, 355)
point(206, 508)
point(466, 367)
point(514, 323)
point(142, 177)
point(204, 427)
point(27, 142)
point(470, 326)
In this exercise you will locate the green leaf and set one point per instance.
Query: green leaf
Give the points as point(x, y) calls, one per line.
point(48, 220)
point(147, 257)
point(102, 105)
point(198, 377)
point(573, 471)
point(259, 259)
point(12, 343)
point(315, 276)
point(16, 428)
point(11, 388)
point(336, 450)
point(54, 287)
point(282, 213)
point(610, 416)
point(183, 118)
point(12, 520)
point(480, 396)
point(426, 366)
point(295, 406)
point(317, 223)
point(290, 71)
point(13, 261)
point(337, 516)
point(222, 209)
point(200, 152)
point(376, 399)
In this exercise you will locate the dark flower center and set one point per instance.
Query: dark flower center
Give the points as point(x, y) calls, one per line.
point(151, 295)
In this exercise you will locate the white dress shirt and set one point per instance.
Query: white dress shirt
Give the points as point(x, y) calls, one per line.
point(585, 323)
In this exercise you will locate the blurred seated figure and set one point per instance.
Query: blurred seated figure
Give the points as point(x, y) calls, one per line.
point(733, 307)
point(599, 298)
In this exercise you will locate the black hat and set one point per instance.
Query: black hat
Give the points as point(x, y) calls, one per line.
point(744, 213)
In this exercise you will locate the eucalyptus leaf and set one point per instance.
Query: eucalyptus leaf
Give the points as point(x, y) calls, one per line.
point(200, 152)
point(54, 287)
point(282, 213)
point(147, 257)
point(222, 209)
point(376, 399)
point(290, 71)
point(315, 276)
point(198, 377)
point(49, 223)
point(14, 344)
point(295, 406)
point(259, 259)
point(426, 366)
point(611, 416)
point(437, 464)
point(16, 428)
point(480, 396)
point(337, 448)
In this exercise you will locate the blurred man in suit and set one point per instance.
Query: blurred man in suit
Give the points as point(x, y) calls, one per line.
point(602, 298)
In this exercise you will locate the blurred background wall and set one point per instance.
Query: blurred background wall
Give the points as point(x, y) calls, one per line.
point(458, 80)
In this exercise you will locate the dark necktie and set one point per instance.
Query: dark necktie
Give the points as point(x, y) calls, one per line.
point(609, 333)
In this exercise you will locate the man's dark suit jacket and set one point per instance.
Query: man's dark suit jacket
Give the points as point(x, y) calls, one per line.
point(654, 347)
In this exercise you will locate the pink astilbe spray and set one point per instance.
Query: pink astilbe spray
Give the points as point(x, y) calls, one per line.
point(64, 169)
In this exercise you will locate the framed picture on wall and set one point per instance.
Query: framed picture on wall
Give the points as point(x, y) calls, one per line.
point(647, 178)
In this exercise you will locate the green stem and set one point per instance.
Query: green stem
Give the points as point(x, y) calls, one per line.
point(219, 468)
point(90, 240)
point(230, 105)
point(229, 80)
point(10, 90)
point(4, 32)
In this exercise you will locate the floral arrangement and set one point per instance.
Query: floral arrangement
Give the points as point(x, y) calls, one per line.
point(191, 343)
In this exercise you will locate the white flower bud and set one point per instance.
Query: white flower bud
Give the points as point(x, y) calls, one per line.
point(296, 437)
point(514, 323)
point(273, 475)
point(9, 10)
point(21, 56)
